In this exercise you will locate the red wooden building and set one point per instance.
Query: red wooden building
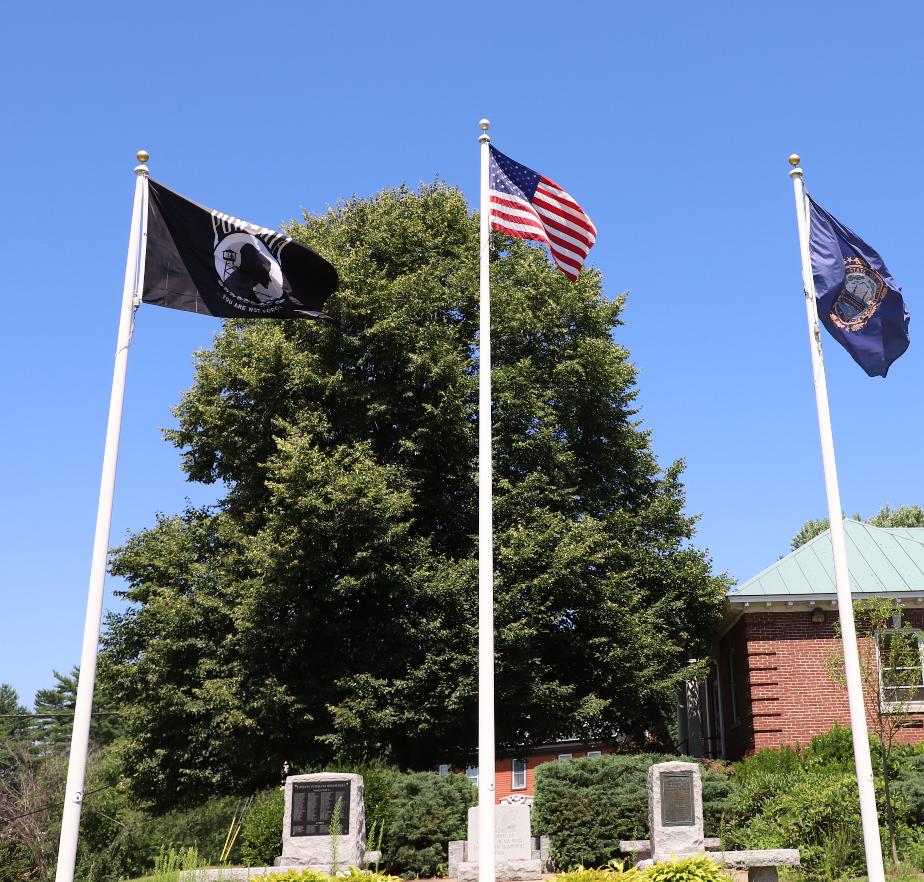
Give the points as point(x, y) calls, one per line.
point(515, 776)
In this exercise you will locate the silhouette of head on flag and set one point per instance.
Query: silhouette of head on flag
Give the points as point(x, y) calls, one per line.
point(254, 269)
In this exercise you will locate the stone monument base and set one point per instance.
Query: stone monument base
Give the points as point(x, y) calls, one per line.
point(504, 871)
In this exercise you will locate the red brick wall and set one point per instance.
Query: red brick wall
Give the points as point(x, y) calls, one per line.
point(785, 694)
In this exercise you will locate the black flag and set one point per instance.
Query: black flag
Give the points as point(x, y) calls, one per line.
point(204, 261)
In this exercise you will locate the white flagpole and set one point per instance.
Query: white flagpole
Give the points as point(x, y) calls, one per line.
point(864, 766)
point(485, 543)
point(77, 764)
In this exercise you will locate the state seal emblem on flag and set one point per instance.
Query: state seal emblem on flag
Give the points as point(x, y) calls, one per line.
point(857, 298)
point(860, 297)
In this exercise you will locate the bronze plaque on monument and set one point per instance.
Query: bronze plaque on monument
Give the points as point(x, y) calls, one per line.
point(677, 799)
point(313, 807)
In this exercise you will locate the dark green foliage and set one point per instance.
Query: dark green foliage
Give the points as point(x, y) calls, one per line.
point(817, 812)
point(378, 784)
point(587, 805)
point(261, 832)
point(908, 787)
point(832, 749)
point(119, 840)
point(12, 724)
point(13, 728)
point(52, 733)
point(203, 828)
point(15, 862)
point(427, 811)
point(806, 798)
point(325, 609)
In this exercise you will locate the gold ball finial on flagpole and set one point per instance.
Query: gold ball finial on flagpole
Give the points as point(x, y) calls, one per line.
point(794, 159)
point(142, 156)
point(485, 124)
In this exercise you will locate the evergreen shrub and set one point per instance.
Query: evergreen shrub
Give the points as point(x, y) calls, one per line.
point(426, 811)
point(908, 787)
point(261, 832)
point(587, 805)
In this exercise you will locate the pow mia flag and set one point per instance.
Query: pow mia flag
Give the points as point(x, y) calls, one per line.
point(203, 261)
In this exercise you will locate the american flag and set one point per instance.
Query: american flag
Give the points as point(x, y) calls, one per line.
point(531, 206)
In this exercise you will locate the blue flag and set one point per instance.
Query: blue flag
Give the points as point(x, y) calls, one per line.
point(858, 300)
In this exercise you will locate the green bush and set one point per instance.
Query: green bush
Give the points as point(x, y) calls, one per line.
point(817, 812)
point(378, 781)
point(587, 805)
point(261, 832)
point(833, 750)
point(426, 811)
point(768, 762)
point(908, 788)
point(203, 828)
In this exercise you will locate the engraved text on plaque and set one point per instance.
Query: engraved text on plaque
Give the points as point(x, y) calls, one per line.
point(677, 799)
point(313, 806)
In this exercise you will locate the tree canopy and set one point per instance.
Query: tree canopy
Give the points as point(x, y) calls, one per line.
point(903, 516)
point(327, 606)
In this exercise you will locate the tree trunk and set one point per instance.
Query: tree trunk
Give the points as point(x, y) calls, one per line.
point(887, 799)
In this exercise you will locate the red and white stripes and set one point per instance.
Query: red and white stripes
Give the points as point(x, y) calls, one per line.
point(552, 217)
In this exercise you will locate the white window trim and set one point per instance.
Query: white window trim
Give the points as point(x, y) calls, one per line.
point(565, 756)
point(472, 774)
point(444, 769)
point(515, 772)
point(593, 754)
point(899, 706)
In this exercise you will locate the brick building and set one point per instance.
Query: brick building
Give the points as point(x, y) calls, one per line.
point(768, 683)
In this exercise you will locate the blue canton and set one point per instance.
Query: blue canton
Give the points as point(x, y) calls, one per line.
point(507, 176)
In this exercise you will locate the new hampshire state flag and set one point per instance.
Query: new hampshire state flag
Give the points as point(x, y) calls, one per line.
point(858, 300)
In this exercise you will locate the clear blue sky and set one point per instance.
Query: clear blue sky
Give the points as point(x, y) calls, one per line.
point(669, 122)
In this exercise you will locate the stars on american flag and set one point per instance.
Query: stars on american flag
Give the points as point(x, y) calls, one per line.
point(528, 205)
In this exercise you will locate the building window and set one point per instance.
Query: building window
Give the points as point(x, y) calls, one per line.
point(901, 675)
point(472, 774)
point(591, 754)
point(519, 775)
point(444, 768)
point(733, 688)
point(564, 756)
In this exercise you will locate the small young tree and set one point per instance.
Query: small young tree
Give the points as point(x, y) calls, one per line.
point(891, 674)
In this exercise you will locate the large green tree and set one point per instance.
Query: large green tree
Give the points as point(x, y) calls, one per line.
point(327, 606)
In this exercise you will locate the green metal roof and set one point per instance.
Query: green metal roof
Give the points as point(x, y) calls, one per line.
point(882, 560)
